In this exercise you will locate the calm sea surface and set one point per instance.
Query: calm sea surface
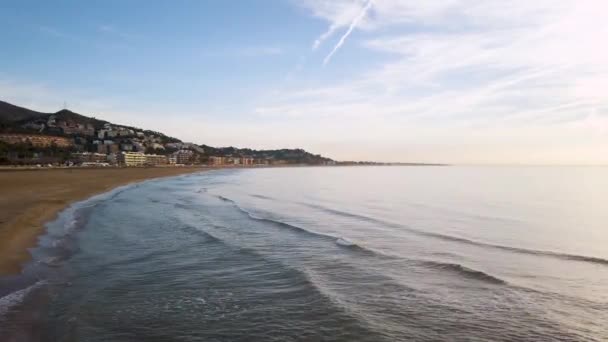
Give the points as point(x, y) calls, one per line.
point(325, 254)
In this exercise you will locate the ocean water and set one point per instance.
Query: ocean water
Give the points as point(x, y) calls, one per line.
point(325, 254)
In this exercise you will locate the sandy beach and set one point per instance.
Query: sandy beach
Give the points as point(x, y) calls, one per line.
point(30, 198)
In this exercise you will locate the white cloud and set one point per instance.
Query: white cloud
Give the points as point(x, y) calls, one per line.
point(460, 65)
point(454, 81)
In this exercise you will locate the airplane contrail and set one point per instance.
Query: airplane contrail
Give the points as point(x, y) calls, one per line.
point(324, 36)
point(352, 26)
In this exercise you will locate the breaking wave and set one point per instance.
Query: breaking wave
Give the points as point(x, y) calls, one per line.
point(263, 197)
point(340, 241)
point(15, 298)
point(464, 271)
point(558, 255)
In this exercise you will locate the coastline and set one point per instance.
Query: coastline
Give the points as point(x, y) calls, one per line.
point(31, 198)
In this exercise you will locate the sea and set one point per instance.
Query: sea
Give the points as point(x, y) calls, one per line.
point(412, 253)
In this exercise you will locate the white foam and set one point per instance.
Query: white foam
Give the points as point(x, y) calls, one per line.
point(51, 261)
point(15, 298)
point(344, 242)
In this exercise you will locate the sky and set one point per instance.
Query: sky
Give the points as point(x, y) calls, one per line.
point(449, 81)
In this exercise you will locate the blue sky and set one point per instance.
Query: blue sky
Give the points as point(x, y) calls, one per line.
point(454, 81)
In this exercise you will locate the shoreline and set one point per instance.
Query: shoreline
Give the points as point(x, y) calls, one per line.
point(33, 197)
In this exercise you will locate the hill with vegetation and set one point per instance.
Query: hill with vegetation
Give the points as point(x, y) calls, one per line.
point(11, 115)
point(90, 134)
point(291, 156)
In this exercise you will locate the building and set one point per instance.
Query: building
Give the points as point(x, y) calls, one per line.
point(52, 121)
point(101, 148)
point(247, 161)
point(36, 140)
point(131, 158)
point(77, 128)
point(38, 125)
point(81, 141)
point(114, 148)
point(138, 146)
point(262, 161)
point(193, 147)
point(157, 146)
point(183, 156)
point(156, 159)
point(124, 132)
point(175, 146)
point(171, 159)
point(88, 158)
point(217, 160)
point(112, 158)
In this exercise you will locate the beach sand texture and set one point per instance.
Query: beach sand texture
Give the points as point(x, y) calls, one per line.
point(30, 198)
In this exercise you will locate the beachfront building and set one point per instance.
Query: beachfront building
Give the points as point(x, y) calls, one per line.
point(171, 159)
point(247, 161)
point(131, 158)
point(112, 158)
point(183, 156)
point(217, 160)
point(156, 159)
point(90, 158)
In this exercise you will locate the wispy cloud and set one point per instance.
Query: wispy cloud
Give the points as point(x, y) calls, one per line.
point(118, 32)
point(330, 31)
point(457, 66)
point(352, 26)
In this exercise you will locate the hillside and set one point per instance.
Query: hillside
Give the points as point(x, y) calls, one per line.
point(17, 119)
point(26, 135)
point(292, 156)
point(69, 116)
point(11, 114)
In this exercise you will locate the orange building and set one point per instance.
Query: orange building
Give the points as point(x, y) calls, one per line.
point(36, 140)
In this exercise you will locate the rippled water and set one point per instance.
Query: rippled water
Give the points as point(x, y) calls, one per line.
point(325, 254)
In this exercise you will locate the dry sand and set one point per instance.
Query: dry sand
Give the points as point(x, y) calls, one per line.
point(29, 198)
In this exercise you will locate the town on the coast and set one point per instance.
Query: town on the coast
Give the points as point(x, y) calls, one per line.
point(66, 138)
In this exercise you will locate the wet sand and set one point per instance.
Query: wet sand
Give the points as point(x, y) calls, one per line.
point(30, 198)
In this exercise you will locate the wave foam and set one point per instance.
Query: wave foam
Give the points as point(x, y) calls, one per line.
point(262, 197)
point(15, 298)
point(563, 256)
point(345, 243)
point(465, 271)
point(340, 241)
